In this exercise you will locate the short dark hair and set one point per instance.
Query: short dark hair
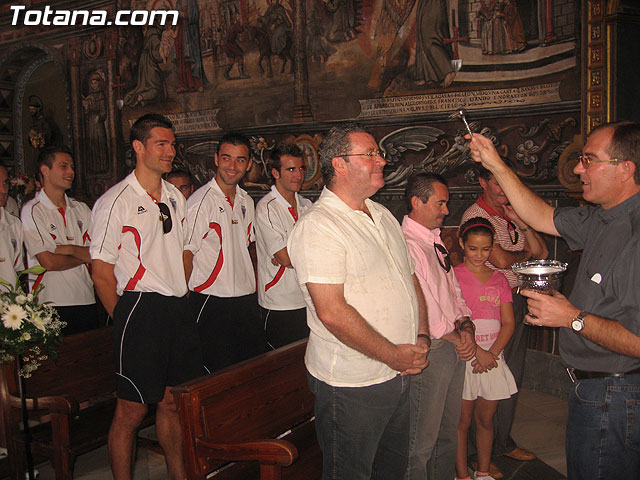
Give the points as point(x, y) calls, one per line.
point(625, 143)
point(335, 144)
point(476, 225)
point(421, 185)
point(235, 138)
point(282, 149)
point(179, 172)
point(484, 173)
point(141, 129)
point(48, 154)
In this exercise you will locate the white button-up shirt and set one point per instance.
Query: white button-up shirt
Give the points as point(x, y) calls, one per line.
point(334, 244)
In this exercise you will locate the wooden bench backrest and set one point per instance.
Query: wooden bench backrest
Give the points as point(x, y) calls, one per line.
point(85, 368)
point(259, 398)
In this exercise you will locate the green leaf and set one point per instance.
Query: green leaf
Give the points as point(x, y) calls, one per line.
point(35, 270)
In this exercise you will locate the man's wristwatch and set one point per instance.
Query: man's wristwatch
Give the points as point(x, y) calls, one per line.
point(577, 324)
point(467, 323)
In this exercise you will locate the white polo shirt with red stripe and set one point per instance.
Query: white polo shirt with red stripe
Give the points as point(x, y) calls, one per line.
point(278, 287)
point(11, 239)
point(219, 238)
point(45, 227)
point(127, 233)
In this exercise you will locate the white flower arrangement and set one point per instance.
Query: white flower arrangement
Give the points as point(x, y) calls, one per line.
point(27, 328)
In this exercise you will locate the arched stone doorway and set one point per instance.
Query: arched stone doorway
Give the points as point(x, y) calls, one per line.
point(35, 107)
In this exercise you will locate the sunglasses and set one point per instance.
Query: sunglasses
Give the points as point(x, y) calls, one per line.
point(513, 233)
point(443, 257)
point(165, 217)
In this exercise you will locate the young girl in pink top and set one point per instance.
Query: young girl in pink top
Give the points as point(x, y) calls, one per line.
point(487, 377)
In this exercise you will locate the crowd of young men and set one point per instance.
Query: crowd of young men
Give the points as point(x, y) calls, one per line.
point(388, 329)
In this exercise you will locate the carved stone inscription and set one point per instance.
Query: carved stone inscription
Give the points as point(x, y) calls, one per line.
point(442, 102)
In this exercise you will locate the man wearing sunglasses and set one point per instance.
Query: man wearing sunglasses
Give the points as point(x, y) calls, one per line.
point(140, 235)
point(436, 393)
point(514, 242)
point(217, 261)
point(600, 321)
point(367, 319)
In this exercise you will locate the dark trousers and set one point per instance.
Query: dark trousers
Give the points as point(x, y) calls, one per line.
point(230, 328)
point(363, 432)
point(79, 318)
point(282, 327)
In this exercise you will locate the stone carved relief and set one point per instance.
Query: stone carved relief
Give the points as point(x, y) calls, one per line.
point(542, 151)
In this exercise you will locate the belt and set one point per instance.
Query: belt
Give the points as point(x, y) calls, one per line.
point(577, 375)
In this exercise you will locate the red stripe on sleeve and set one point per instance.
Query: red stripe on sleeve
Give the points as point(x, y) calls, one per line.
point(276, 279)
point(218, 266)
point(131, 284)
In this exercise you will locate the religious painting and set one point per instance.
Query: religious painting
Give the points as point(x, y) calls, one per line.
point(94, 112)
point(233, 61)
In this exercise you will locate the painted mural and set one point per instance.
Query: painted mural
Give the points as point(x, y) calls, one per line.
point(234, 60)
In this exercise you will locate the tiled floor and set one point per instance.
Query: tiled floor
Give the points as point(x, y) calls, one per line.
point(539, 427)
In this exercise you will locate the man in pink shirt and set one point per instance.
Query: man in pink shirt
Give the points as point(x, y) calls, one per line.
point(436, 393)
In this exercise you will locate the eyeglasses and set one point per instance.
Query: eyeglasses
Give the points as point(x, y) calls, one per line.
point(165, 217)
point(441, 251)
point(586, 160)
point(370, 154)
point(513, 233)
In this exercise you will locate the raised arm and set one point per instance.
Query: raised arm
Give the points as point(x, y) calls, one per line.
point(532, 209)
point(535, 242)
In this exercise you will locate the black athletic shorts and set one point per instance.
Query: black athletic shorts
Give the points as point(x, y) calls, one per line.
point(157, 345)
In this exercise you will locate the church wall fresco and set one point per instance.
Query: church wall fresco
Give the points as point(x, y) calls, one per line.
point(289, 69)
point(363, 57)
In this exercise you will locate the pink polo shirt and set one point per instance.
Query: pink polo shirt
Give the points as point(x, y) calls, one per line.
point(445, 303)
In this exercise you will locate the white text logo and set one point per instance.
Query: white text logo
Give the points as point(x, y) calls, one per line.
point(91, 17)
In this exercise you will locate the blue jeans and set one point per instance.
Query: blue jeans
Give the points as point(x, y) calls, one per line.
point(603, 429)
point(435, 405)
point(363, 432)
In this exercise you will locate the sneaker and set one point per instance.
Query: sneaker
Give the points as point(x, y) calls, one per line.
point(482, 477)
point(494, 471)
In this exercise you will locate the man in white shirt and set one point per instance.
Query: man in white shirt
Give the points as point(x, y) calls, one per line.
point(139, 231)
point(281, 301)
point(11, 238)
point(366, 313)
point(217, 261)
point(56, 234)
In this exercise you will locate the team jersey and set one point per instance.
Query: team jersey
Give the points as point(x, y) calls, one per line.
point(128, 233)
point(278, 287)
point(219, 237)
point(11, 239)
point(45, 227)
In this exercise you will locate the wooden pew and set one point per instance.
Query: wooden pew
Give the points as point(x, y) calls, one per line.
point(240, 413)
point(77, 393)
